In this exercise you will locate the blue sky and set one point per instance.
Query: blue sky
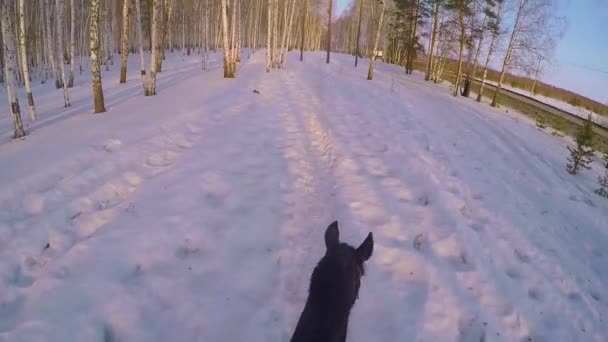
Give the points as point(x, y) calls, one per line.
point(581, 58)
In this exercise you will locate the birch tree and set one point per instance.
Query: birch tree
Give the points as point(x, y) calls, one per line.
point(142, 64)
point(534, 25)
point(495, 30)
point(329, 10)
point(372, 60)
point(357, 51)
point(72, 42)
point(59, 20)
point(154, 48)
point(461, 7)
point(98, 102)
point(228, 67)
point(268, 36)
point(24, 64)
point(303, 29)
point(124, 42)
point(433, 37)
point(10, 57)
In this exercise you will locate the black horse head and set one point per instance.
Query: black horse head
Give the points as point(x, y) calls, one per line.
point(334, 288)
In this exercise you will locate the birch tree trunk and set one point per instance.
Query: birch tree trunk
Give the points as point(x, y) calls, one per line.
point(10, 57)
point(275, 29)
point(303, 30)
point(59, 19)
point(44, 44)
point(50, 48)
point(329, 10)
point(142, 64)
point(24, 63)
point(154, 64)
point(491, 49)
point(233, 35)
point(269, 37)
point(72, 42)
point(286, 36)
point(228, 71)
point(429, 63)
point(361, 3)
point(507, 60)
point(473, 71)
point(460, 50)
point(372, 60)
point(412, 43)
point(167, 15)
point(206, 36)
point(124, 42)
point(98, 103)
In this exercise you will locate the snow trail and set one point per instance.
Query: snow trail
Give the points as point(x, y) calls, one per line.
point(198, 214)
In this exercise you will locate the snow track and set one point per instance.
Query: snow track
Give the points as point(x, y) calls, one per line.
point(198, 214)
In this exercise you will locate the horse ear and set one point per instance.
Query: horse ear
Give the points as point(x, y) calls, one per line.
point(332, 235)
point(367, 248)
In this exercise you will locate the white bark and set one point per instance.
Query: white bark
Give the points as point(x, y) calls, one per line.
point(142, 64)
point(228, 69)
point(98, 101)
point(72, 42)
point(154, 48)
point(10, 66)
point(370, 71)
point(206, 35)
point(269, 37)
point(59, 20)
point(24, 65)
point(50, 48)
point(124, 42)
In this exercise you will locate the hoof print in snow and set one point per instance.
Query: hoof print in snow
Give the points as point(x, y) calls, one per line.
point(418, 241)
point(533, 338)
point(595, 296)
point(47, 246)
point(535, 294)
point(574, 297)
point(521, 256)
point(477, 226)
point(512, 273)
point(21, 280)
point(185, 251)
point(161, 159)
point(255, 91)
point(108, 334)
point(471, 330)
point(112, 145)
point(424, 200)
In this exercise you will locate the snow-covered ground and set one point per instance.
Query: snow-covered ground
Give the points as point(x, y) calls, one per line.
point(198, 214)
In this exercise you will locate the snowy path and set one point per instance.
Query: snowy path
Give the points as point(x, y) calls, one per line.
point(198, 214)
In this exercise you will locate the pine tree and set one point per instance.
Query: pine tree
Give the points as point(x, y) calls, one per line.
point(582, 154)
point(603, 180)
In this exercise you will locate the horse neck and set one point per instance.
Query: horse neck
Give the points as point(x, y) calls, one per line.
point(320, 322)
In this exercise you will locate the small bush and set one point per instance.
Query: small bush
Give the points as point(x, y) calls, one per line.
point(581, 155)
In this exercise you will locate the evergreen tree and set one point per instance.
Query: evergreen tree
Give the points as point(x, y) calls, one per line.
point(603, 180)
point(582, 154)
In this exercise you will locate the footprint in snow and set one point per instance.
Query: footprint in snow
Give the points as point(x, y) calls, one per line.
point(161, 159)
point(215, 187)
point(535, 293)
point(112, 145)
